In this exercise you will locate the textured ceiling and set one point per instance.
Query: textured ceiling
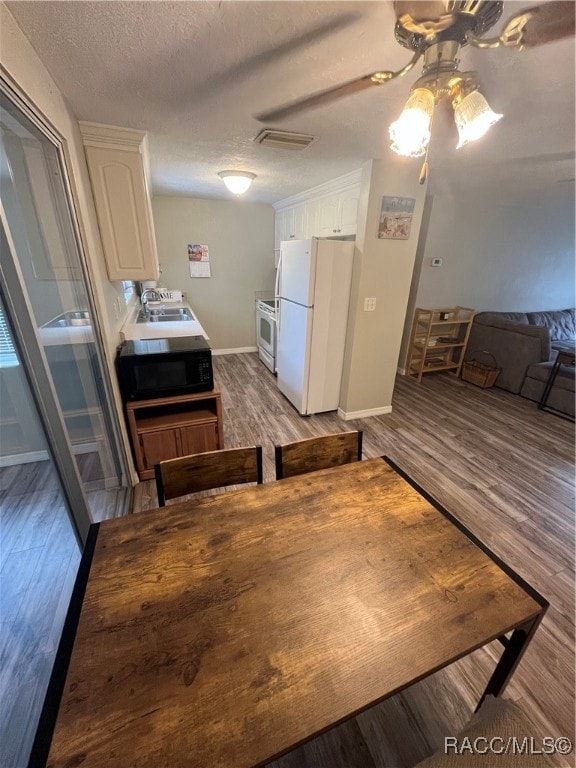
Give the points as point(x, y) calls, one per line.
point(195, 74)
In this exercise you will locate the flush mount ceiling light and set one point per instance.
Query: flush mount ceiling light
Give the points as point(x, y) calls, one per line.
point(435, 31)
point(237, 181)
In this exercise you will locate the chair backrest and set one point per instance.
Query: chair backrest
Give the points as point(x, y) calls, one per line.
point(202, 471)
point(317, 453)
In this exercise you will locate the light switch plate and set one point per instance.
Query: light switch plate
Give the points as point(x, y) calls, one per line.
point(436, 262)
point(369, 305)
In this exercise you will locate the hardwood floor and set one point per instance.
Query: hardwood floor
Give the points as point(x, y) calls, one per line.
point(39, 559)
point(506, 470)
point(491, 458)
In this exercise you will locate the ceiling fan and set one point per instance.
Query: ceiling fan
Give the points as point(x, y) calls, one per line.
point(435, 31)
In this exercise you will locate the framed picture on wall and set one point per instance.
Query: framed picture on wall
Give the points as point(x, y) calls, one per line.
point(396, 218)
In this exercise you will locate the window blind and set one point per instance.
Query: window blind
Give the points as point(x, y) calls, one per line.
point(8, 356)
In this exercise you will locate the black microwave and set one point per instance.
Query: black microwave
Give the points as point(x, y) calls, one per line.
point(150, 368)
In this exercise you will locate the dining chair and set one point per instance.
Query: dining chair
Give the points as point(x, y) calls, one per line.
point(317, 453)
point(204, 471)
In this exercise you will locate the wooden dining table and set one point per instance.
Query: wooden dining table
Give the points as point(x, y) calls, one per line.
point(227, 630)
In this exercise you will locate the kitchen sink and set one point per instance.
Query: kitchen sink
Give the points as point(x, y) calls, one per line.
point(68, 320)
point(171, 315)
point(171, 311)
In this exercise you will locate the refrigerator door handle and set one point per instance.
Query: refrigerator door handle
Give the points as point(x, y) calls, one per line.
point(277, 294)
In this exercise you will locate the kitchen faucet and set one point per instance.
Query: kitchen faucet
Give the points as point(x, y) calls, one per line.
point(144, 299)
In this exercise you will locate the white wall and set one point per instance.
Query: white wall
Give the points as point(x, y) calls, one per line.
point(383, 270)
point(499, 252)
point(240, 237)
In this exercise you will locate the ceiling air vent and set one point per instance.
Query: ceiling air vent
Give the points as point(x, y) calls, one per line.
point(283, 139)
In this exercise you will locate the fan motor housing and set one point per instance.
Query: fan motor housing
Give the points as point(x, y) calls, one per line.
point(476, 18)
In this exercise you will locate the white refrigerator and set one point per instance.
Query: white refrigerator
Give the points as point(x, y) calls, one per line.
point(313, 294)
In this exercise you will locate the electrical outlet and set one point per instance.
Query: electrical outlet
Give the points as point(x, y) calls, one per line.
point(369, 305)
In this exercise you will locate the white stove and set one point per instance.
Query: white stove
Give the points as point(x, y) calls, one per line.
point(266, 332)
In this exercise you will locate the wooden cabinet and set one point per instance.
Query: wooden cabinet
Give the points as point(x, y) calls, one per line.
point(438, 340)
point(169, 427)
point(117, 163)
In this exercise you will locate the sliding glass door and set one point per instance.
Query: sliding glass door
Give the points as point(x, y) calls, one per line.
point(46, 281)
point(60, 462)
point(39, 556)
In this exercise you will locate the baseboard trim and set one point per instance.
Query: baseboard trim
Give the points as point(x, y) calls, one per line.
point(364, 414)
point(23, 458)
point(85, 448)
point(236, 351)
point(32, 456)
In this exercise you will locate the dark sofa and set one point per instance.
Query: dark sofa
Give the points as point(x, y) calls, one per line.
point(521, 343)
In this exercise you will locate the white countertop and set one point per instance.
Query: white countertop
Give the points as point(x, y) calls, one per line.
point(70, 335)
point(165, 330)
point(79, 331)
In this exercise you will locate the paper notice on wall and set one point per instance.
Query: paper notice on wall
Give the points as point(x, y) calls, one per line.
point(199, 260)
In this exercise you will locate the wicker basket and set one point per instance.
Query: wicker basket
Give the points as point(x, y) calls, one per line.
point(479, 373)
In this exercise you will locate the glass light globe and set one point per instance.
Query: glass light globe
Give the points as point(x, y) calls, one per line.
point(410, 134)
point(473, 117)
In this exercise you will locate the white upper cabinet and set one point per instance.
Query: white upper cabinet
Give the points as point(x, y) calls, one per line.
point(290, 224)
point(299, 229)
point(329, 215)
point(284, 226)
point(349, 211)
point(322, 212)
point(312, 217)
point(338, 213)
point(118, 164)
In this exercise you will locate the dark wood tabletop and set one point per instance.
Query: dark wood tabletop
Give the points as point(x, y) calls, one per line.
point(224, 632)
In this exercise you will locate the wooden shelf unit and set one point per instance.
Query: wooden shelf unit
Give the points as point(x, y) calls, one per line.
point(438, 340)
point(168, 427)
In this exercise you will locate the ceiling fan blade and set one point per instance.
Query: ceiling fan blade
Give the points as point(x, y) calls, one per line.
point(320, 98)
point(545, 23)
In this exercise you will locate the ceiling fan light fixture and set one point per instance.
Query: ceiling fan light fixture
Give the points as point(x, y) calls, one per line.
point(473, 117)
point(237, 181)
point(410, 134)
